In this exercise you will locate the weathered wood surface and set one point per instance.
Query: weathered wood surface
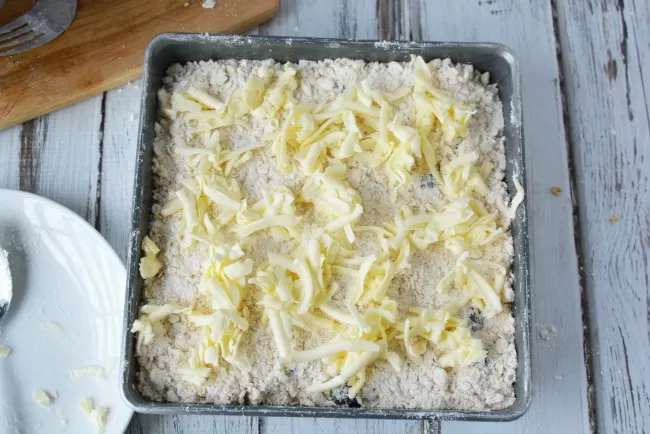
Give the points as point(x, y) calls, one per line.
point(606, 55)
point(82, 157)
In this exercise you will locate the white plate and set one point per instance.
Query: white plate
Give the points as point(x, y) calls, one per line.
point(66, 313)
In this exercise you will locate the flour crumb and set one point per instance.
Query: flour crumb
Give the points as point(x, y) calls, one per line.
point(548, 334)
point(558, 377)
point(209, 4)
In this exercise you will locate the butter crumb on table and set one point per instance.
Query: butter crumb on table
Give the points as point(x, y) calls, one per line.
point(96, 414)
point(43, 397)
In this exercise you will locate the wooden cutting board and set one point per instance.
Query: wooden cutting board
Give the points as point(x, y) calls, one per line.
point(104, 47)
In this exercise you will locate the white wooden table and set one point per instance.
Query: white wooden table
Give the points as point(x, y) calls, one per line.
point(586, 130)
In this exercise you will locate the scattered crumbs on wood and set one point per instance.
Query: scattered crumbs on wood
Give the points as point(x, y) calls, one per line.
point(548, 333)
point(557, 191)
point(614, 219)
point(186, 4)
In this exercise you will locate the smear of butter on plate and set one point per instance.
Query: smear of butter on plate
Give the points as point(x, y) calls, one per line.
point(88, 371)
point(5, 351)
point(51, 326)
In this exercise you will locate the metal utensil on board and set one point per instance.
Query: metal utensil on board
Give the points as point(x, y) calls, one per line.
point(41, 24)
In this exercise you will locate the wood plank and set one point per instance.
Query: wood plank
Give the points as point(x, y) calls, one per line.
point(344, 19)
point(60, 155)
point(153, 424)
point(559, 405)
point(10, 158)
point(286, 425)
point(325, 19)
point(606, 52)
point(67, 69)
point(121, 125)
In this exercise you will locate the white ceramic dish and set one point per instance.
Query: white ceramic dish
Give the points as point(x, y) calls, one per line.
point(66, 313)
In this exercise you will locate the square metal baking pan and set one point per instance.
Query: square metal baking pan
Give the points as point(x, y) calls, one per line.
point(171, 48)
